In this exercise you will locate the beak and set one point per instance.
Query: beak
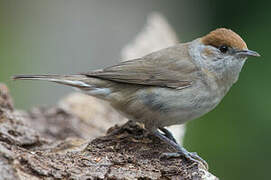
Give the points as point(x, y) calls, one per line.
point(248, 53)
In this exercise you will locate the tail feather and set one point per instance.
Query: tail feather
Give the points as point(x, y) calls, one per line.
point(71, 80)
point(36, 77)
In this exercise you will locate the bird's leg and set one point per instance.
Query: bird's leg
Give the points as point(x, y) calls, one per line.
point(180, 151)
point(168, 134)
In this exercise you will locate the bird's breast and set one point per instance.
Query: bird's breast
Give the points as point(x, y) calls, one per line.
point(159, 107)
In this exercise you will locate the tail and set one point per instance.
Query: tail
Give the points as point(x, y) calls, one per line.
point(70, 80)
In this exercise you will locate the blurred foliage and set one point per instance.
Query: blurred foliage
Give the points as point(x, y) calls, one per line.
point(235, 137)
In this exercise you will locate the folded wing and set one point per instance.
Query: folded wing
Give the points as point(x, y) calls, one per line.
point(166, 68)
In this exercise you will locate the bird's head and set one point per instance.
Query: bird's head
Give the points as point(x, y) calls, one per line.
point(221, 52)
point(222, 43)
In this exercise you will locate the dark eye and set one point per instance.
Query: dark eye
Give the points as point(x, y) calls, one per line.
point(223, 49)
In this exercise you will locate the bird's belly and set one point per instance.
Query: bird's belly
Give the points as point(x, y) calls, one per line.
point(159, 107)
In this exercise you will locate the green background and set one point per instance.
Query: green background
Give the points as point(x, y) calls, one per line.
point(235, 137)
point(71, 36)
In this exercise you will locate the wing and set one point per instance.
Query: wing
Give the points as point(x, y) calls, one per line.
point(163, 68)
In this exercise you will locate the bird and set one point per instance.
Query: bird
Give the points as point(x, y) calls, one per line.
point(169, 86)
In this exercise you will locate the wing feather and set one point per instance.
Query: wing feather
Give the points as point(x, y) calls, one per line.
point(165, 68)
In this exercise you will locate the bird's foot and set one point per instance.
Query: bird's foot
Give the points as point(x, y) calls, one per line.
point(194, 157)
point(191, 156)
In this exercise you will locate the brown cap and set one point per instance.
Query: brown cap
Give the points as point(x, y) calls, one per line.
point(224, 37)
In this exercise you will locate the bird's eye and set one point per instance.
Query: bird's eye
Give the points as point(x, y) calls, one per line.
point(223, 49)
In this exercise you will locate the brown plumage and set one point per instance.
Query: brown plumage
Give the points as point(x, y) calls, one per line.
point(222, 37)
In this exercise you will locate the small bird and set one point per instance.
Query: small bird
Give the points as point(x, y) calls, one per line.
point(169, 86)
